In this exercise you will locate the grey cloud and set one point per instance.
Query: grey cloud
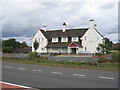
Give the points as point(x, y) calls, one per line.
point(107, 6)
point(53, 14)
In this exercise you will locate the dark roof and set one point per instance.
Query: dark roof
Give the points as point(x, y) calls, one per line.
point(67, 33)
point(61, 44)
point(99, 32)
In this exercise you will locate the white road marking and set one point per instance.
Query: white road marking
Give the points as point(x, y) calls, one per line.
point(22, 68)
point(34, 70)
point(7, 67)
point(79, 75)
point(14, 84)
point(37, 70)
point(105, 77)
point(57, 72)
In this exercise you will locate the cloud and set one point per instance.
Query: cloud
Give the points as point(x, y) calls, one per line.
point(22, 18)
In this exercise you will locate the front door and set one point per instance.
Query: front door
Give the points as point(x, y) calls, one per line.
point(73, 50)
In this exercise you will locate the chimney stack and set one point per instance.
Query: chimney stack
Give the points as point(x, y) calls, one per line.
point(44, 28)
point(91, 23)
point(64, 27)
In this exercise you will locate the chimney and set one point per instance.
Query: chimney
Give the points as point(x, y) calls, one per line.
point(64, 27)
point(44, 28)
point(91, 23)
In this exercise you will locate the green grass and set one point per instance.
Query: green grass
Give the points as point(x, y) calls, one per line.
point(112, 66)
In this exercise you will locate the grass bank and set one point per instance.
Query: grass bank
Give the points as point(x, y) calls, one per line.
point(103, 66)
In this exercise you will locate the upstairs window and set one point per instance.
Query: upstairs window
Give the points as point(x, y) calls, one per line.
point(97, 37)
point(64, 39)
point(42, 39)
point(74, 39)
point(85, 37)
point(38, 39)
point(54, 39)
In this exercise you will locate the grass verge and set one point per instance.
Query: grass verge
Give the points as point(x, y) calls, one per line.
point(105, 66)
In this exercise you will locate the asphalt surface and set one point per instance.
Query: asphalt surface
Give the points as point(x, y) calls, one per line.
point(38, 76)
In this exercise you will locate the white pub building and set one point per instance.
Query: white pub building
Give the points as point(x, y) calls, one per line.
point(68, 41)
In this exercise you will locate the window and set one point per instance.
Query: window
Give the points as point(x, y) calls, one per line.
point(64, 39)
point(97, 37)
point(85, 48)
point(85, 37)
point(43, 49)
point(54, 49)
point(42, 39)
point(54, 39)
point(38, 39)
point(74, 39)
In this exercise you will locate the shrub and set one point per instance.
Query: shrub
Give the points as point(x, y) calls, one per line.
point(43, 57)
point(104, 60)
point(115, 56)
point(8, 49)
point(93, 63)
point(33, 55)
point(98, 54)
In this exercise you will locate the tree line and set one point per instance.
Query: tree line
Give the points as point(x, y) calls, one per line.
point(8, 46)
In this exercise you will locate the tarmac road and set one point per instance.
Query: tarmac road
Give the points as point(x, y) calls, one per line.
point(38, 76)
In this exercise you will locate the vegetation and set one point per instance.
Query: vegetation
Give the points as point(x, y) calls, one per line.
point(33, 55)
point(115, 56)
point(11, 44)
point(8, 49)
point(36, 45)
point(88, 65)
point(0, 44)
point(105, 47)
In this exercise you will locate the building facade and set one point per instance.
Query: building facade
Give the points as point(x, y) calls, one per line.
point(68, 41)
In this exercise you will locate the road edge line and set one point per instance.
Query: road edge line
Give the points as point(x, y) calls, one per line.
point(15, 84)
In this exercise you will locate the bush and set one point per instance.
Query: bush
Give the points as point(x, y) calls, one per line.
point(98, 54)
point(33, 55)
point(43, 57)
point(8, 49)
point(115, 56)
point(103, 60)
point(93, 63)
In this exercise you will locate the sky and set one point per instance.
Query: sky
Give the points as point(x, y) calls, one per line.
point(21, 19)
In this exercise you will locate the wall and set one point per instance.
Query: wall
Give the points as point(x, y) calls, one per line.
point(93, 38)
point(38, 36)
point(56, 50)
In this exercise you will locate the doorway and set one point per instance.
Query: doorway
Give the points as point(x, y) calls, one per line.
point(73, 50)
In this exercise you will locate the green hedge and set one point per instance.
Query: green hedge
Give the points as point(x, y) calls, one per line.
point(8, 49)
point(116, 56)
point(33, 55)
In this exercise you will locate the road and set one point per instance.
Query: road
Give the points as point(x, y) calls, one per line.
point(38, 76)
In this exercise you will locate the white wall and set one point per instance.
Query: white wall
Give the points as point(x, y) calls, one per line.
point(92, 41)
point(38, 36)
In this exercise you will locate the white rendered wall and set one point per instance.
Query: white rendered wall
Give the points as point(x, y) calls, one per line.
point(38, 36)
point(93, 38)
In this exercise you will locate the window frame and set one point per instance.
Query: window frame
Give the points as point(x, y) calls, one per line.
point(64, 39)
point(56, 40)
point(75, 39)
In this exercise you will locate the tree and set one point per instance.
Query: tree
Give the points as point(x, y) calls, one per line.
point(11, 44)
point(105, 47)
point(23, 44)
point(0, 45)
point(35, 45)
